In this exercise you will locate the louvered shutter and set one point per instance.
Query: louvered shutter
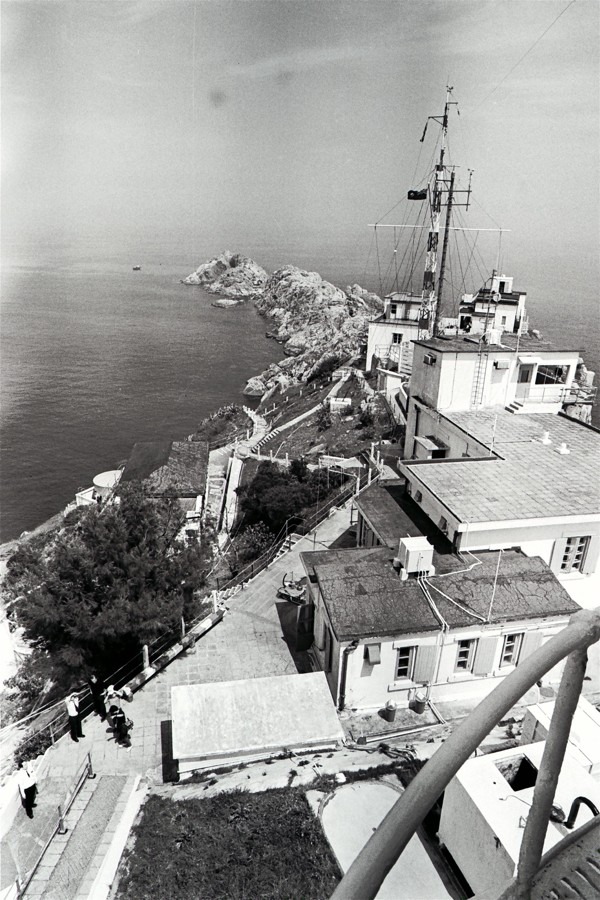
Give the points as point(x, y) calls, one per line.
point(485, 656)
point(425, 663)
point(531, 641)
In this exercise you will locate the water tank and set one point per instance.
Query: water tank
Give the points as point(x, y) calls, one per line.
point(415, 554)
point(105, 481)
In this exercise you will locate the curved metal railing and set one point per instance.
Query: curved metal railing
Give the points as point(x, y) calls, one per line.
point(370, 868)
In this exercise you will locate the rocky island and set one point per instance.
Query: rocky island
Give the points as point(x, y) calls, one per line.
point(315, 321)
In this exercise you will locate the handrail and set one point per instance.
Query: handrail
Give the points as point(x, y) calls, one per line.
point(370, 868)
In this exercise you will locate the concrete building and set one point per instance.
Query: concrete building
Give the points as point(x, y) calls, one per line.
point(527, 481)
point(499, 306)
point(401, 616)
point(486, 805)
point(498, 369)
point(584, 738)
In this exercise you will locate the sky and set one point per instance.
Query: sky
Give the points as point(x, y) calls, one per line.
point(247, 123)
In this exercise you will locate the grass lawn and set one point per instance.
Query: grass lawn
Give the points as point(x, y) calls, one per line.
point(266, 846)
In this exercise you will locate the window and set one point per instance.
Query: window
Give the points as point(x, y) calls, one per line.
point(443, 525)
point(503, 320)
point(397, 337)
point(551, 374)
point(574, 554)
point(393, 309)
point(465, 656)
point(406, 662)
point(511, 649)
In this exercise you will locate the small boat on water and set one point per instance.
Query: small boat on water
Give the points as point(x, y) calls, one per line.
point(137, 268)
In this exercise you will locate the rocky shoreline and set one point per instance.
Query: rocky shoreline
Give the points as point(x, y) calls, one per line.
point(315, 321)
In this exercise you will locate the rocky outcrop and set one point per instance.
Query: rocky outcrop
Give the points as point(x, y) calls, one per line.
point(231, 275)
point(318, 322)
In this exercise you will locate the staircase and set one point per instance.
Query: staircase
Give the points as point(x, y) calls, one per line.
point(515, 407)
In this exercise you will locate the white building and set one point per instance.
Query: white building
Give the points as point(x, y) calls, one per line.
point(486, 805)
point(498, 306)
point(381, 633)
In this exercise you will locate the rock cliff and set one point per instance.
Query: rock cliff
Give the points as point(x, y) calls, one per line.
point(317, 322)
point(230, 275)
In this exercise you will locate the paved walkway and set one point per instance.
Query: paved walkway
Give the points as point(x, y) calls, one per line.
point(248, 643)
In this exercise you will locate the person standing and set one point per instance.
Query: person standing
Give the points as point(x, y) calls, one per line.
point(27, 786)
point(97, 691)
point(112, 697)
point(121, 727)
point(72, 703)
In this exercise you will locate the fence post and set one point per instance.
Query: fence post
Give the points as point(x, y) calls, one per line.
point(145, 657)
point(51, 732)
point(91, 773)
point(182, 627)
point(62, 828)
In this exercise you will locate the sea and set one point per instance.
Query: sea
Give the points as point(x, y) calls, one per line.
point(96, 356)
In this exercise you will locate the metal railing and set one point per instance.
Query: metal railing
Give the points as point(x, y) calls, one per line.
point(58, 725)
point(370, 868)
point(85, 772)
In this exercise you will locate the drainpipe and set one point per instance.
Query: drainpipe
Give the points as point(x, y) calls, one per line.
point(345, 654)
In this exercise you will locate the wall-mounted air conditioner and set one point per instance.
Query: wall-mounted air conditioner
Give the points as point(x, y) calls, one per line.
point(501, 364)
point(429, 359)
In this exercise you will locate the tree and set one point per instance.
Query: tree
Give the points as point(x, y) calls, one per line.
point(253, 542)
point(109, 584)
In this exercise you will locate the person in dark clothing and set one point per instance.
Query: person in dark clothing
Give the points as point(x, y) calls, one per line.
point(97, 691)
point(27, 787)
point(121, 724)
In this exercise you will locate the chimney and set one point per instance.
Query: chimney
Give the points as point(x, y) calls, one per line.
point(563, 449)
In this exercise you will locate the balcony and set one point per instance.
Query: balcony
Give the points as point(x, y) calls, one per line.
point(572, 863)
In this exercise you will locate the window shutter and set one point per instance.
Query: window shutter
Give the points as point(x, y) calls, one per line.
point(485, 656)
point(531, 641)
point(557, 554)
point(424, 663)
point(591, 555)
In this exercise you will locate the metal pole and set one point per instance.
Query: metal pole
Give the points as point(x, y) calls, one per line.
point(532, 844)
point(91, 773)
point(62, 828)
point(370, 868)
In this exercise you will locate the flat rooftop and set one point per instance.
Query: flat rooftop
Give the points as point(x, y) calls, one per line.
point(257, 716)
point(526, 479)
point(365, 596)
point(392, 514)
point(509, 343)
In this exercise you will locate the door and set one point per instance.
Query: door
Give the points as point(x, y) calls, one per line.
point(524, 381)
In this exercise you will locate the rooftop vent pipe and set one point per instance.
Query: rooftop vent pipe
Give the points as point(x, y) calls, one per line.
point(563, 449)
point(546, 438)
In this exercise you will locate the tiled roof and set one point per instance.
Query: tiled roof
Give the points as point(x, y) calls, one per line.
point(528, 479)
point(365, 597)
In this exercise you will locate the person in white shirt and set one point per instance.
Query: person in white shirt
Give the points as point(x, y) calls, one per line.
point(27, 786)
point(72, 704)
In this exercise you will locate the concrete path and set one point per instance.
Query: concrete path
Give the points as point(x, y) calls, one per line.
point(350, 816)
point(248, 643)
